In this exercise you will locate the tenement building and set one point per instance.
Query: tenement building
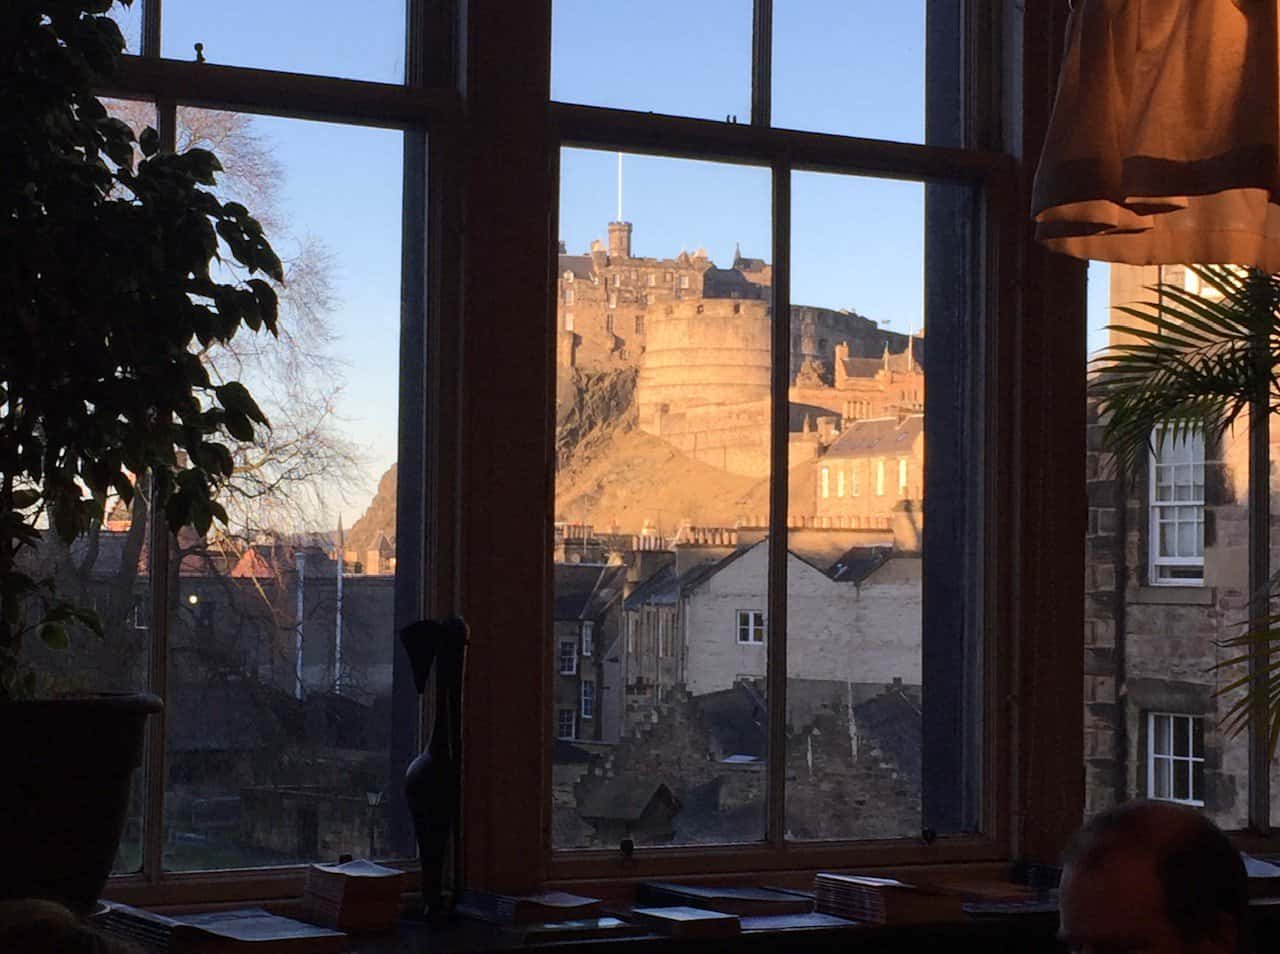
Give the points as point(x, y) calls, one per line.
point(1166, 583)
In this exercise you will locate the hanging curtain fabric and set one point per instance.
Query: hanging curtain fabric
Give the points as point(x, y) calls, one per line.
point(1164, 143)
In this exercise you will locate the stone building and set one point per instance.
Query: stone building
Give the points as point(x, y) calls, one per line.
point(872, 475)
point(700, 624)
point(1166, 581)
point(585, 618)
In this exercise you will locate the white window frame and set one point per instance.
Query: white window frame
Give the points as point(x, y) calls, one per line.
point(824, 480)
point(568, 321)
point(588, 637)
point(1175, 569)
point(880, 477)
point(751, 623)
point(855, 486)
point(631, 633)
point(839, 481)
point(684, 281)
point(561, 714)
point(570, 658)
point(902, 476)
point(568, 296)
point(588, 696)
point(1157, 761)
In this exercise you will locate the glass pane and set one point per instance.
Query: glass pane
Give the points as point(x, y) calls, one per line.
point(682, 59)
point(1173, 621)
point(325, 37)
point(661, 487)
point(828, 58)
point(1182, 737)
point(1181, 780)
point(854, 595)
point(129, 20)
point(1163, 773)
point(281, 628)
point(1163, 735)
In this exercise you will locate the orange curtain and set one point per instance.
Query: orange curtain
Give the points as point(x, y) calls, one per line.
point(1164, 143)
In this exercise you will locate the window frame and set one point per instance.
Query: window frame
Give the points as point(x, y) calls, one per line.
point(1153, 757)
point(561, 712)
point(752, 622)
point(587, 695)
point(1157, 561)
point(588, 637)
point(496, 57)
point(570, 657)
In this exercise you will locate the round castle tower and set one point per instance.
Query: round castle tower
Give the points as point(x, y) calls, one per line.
point(703, 353)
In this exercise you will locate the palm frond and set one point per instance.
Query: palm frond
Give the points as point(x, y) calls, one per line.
point(1185, 362)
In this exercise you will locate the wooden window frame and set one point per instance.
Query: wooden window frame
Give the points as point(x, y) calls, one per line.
point(495, 57)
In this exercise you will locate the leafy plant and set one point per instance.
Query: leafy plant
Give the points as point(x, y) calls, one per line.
point(113, 273)
point(1196, 361)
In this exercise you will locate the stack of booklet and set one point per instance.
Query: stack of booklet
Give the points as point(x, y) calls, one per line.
point(525, 909)
point(217, 932)
point(355, 896)
point(884, 900)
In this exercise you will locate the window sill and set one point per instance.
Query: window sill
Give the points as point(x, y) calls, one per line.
point(1176, 595)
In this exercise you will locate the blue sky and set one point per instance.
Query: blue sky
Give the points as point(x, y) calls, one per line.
point(844, 66)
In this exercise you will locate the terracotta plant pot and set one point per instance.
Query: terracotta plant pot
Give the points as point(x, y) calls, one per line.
point(67, 765)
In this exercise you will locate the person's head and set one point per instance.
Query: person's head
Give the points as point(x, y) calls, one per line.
point(1153, 877)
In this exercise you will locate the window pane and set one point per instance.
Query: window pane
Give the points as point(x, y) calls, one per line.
point(828, 57)
point(855, 597)
point(281, 626)
point(1181, 780)
point(1182, 737)
point(1163, 735)
point(683, 59)
point(129, 20)
point(326, 37)
point(661, 488)
point(1163, 772)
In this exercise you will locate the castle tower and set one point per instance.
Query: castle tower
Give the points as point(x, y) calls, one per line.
point(619, 240)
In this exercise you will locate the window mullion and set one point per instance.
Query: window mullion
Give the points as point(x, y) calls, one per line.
point(150, 27)
point(154, 774)
point(779, 426)
point(762, 63)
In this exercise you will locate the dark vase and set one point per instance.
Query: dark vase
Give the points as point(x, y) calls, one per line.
point(433, 782)
point(67, 768)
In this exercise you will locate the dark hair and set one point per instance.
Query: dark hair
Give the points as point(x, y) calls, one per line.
point(1201, 874)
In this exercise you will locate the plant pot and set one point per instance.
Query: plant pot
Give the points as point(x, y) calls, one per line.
point(67, 767)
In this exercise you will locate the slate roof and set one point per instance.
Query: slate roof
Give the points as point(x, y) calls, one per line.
point(870, 367)
point(662, 588)
point(877, 437)
point(608, 588)
point(858, 563)
point(573, 586)
point(580, 265)
point(622, 799)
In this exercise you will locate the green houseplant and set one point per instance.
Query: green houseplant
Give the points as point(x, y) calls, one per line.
point(118, 263)
point(1203, 361)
